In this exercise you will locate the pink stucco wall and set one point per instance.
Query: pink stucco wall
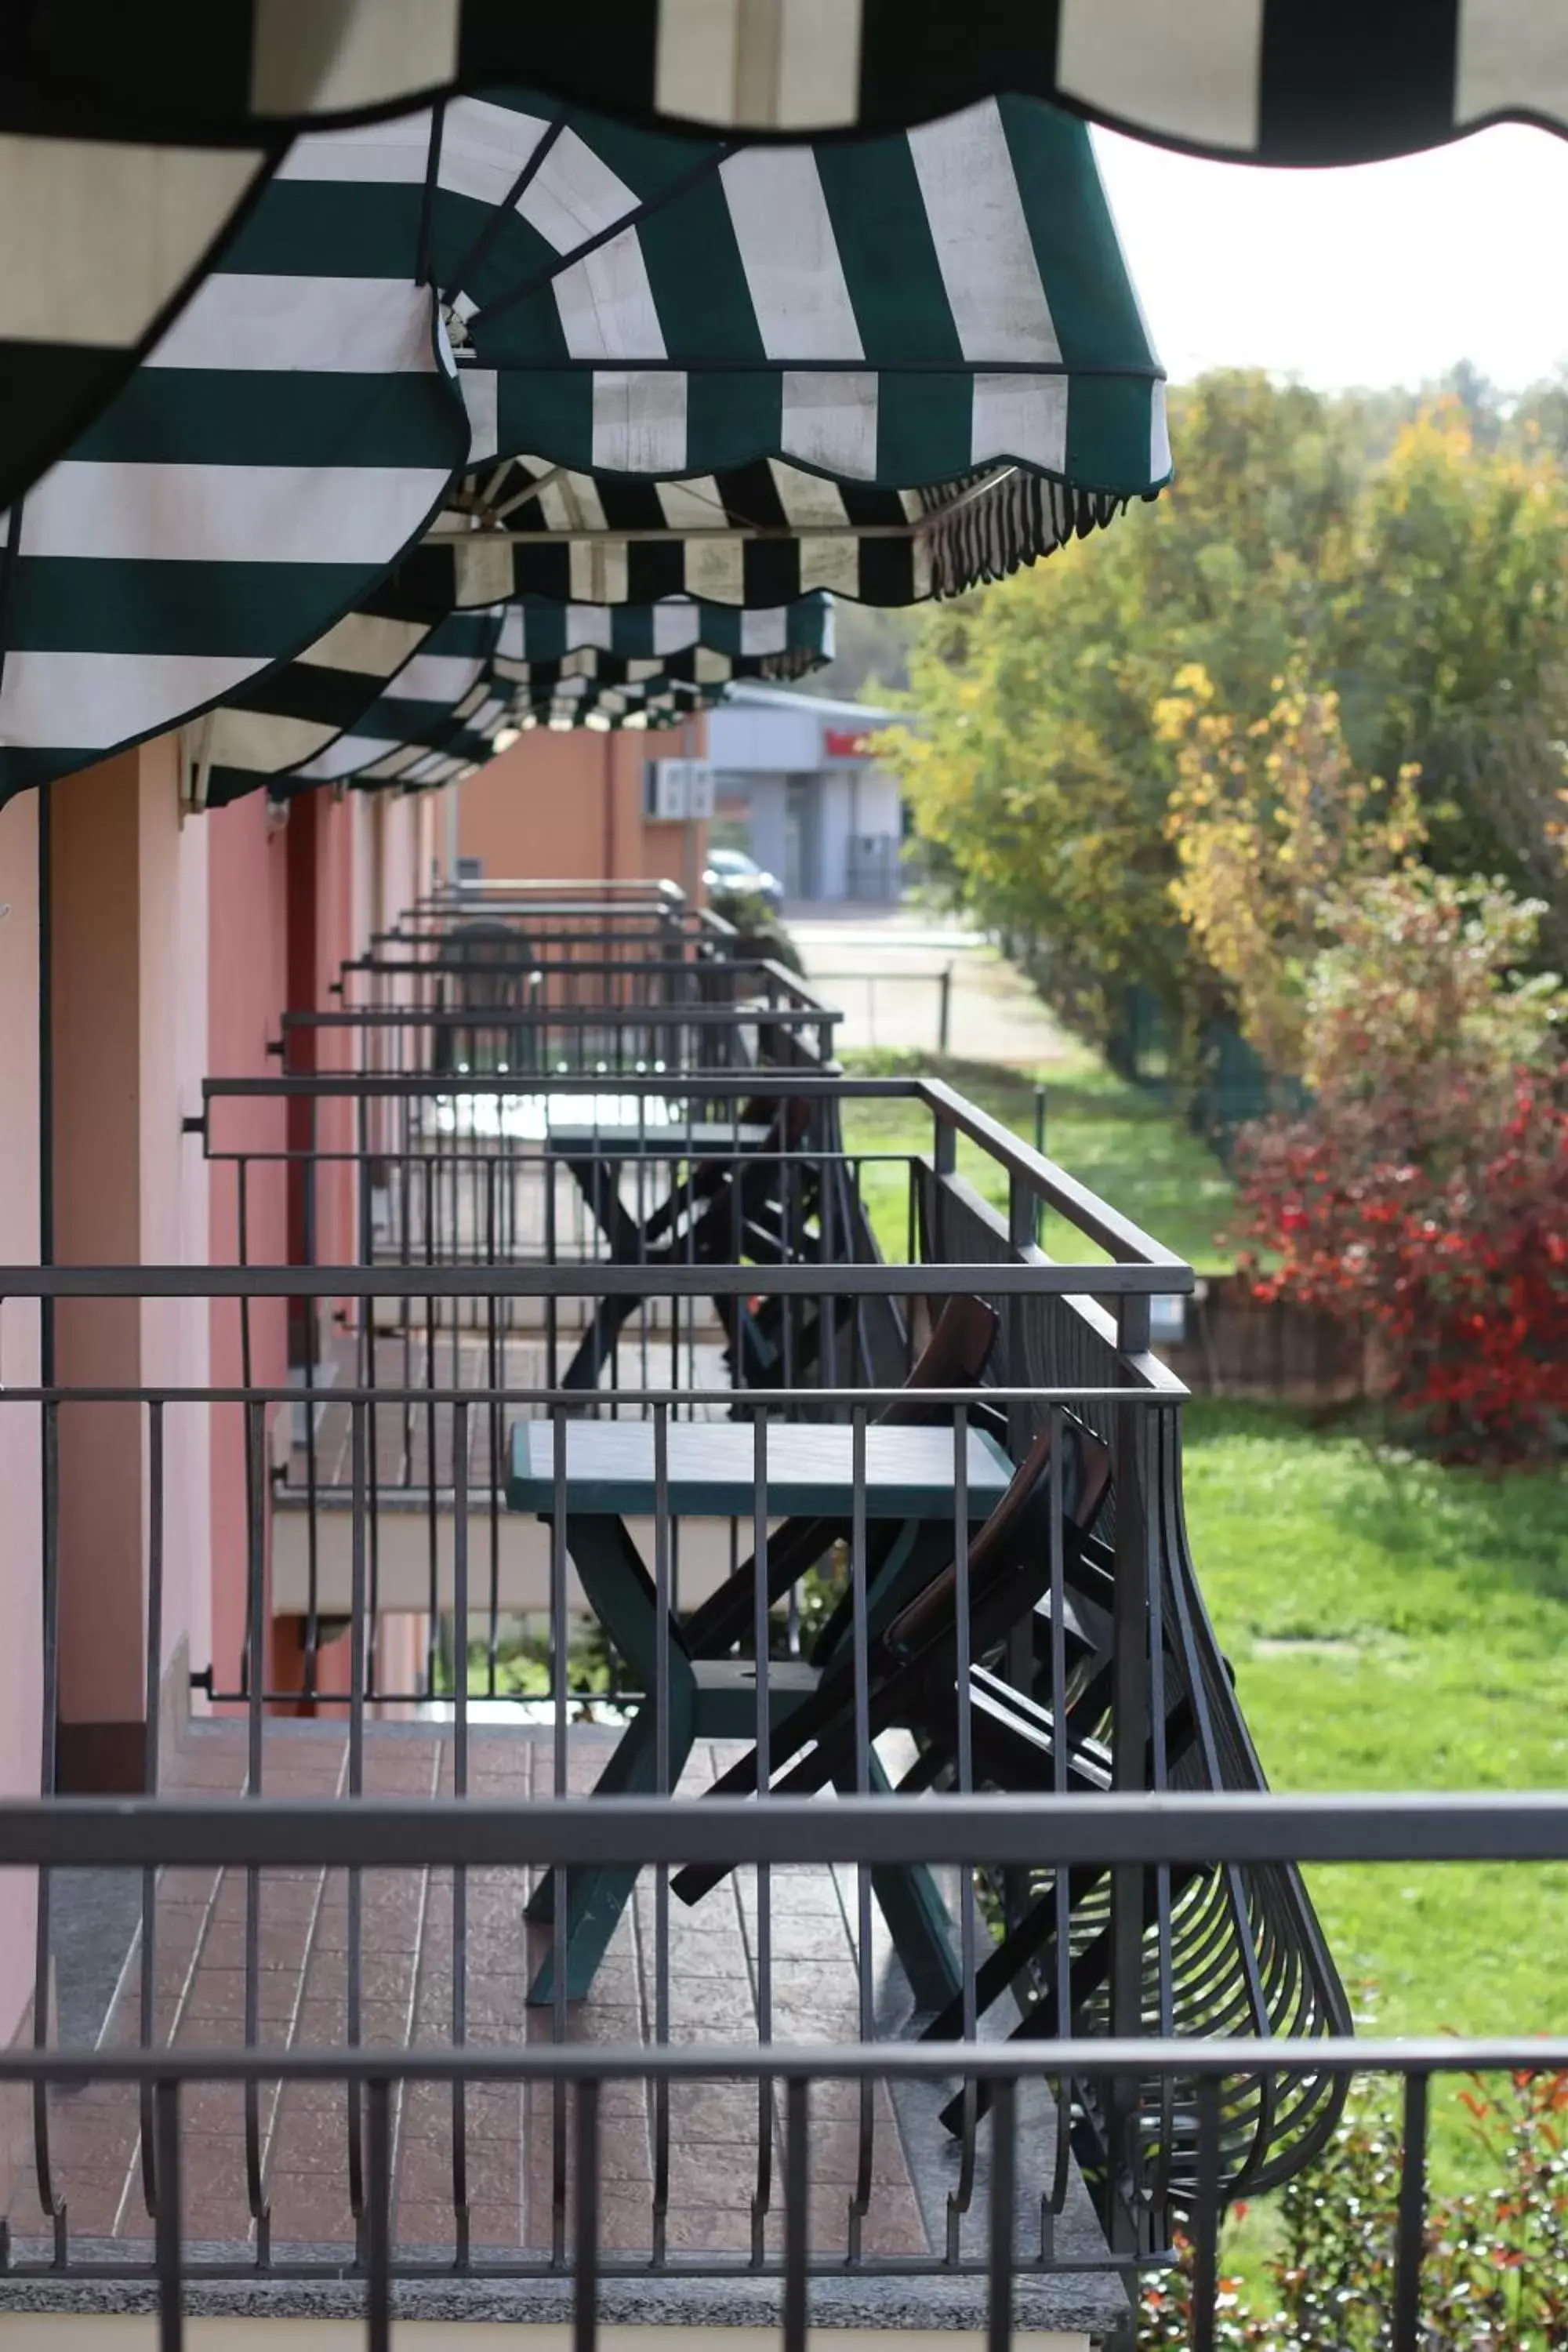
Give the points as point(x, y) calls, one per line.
point(130, 946)
point(178, 943)
point(20, 1530)
point(176, 1333)
point(322, 931)
point(246, 973)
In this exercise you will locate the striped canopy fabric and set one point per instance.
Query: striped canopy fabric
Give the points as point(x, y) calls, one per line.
point(480, 308)
point(461, 752)
point(1291, 81)
point(198, 105)
point(477, 673)
point(747, 535)
point(418, 755)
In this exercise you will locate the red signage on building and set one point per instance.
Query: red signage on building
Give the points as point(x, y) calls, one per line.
point(846, 743)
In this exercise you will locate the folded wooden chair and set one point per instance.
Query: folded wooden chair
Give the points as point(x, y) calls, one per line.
point(913, 1657)
point(1234, 1951)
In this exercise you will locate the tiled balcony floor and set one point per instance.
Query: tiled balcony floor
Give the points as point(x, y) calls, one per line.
point(405, 1979)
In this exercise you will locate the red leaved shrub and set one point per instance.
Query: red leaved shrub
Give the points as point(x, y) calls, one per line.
point(1424, 1192)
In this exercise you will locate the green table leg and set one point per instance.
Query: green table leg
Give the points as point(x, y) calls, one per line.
point(918, 1920)
point(623, 1596)
point(596, 1898)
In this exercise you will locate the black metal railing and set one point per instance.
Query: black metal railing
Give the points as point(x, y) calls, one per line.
point(816, 1472)
point(1005, 2252)
point(1030, 1618)
point(531, 1019)
point(576, 917)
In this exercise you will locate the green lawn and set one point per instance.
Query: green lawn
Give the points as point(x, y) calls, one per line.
point(1112, 1137)
point(1395, 1625)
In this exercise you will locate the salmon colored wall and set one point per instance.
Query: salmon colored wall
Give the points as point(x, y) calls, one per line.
point(352, 866)
point(321, 934)
point(98, 1221)
point(568, 802)
point(247, 873)
point(174, 956)
point(20, 1517)
point(130, 910)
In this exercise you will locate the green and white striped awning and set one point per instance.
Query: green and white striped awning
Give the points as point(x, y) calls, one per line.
point(132, 138)
point(466, 697)
point(902, 320)
point(1294, 80)
point(744, 535)
point(319, 723)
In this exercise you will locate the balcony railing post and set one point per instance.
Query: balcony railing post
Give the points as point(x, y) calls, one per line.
point(1134, 1566)
point(1021, 1213)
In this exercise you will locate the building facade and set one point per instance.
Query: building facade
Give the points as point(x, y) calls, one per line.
point(796, 784)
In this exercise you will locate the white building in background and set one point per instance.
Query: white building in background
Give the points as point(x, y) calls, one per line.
point(796, 784)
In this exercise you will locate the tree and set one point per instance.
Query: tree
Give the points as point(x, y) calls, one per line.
point(1366, 544)
point(1449, 654)
point(1036, 767)
point(1269, 821)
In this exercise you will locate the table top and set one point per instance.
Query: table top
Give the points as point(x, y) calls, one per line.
point(711, 1464)
point(672, 1138)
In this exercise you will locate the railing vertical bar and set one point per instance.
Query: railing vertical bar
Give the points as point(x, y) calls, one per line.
point(663, 1783)
point(460, 1789)
point(367, 1372)
point(1159, 1778)
point(359, 1634)
point(1020, 1432)
point(432, 1323)
point(242, 1211)
point(552, 1318)
point(407, 1164)
point(151, 1693)
point(559, 1637)
point(763, 2194)
point(307, 1319)
point(1055, 2202)
point(1004, 2192)
point(1412, 2225)
point(1205, 2219)
point(586, 2282)
point(378, 2216)
point(639, 1186)
point(495, 1365)
point(962, 2196)
point(167, 2224)
point(860, 2200)
point(255, 1683)
point(797, 2211)
point(1134, 1554)
point(827, 1351)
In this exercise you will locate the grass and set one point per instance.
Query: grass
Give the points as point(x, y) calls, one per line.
point(1395, 1624)
point(1111, 1136)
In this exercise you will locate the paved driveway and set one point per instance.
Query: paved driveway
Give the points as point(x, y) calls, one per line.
point(881, 964)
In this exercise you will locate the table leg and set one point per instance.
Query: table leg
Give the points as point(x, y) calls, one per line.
point(918, 1920)
point(622, 1596)
point(596, 1898)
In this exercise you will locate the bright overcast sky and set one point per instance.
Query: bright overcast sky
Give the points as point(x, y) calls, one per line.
point(1385, 273)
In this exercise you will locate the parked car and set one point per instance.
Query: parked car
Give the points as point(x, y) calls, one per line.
point(731, 873)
